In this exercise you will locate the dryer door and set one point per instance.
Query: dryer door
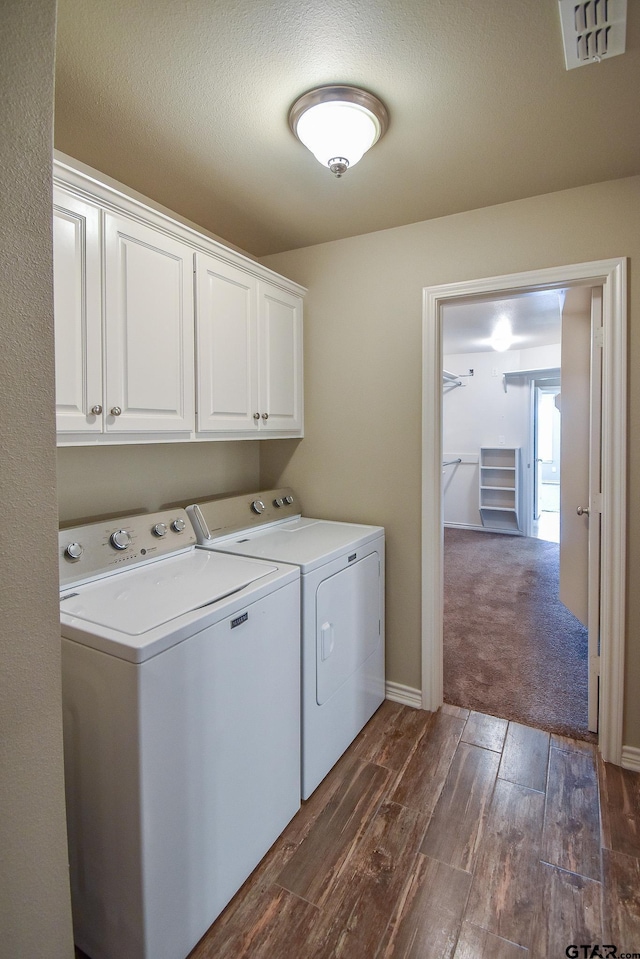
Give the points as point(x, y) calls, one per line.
point(347, 623)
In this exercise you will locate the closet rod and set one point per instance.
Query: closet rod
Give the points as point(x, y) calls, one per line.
point(452, 462)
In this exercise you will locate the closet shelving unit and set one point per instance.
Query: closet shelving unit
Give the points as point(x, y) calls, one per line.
point(500, 488)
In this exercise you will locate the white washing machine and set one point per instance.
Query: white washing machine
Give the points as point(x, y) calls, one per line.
point(342, 610)
point(181, 702)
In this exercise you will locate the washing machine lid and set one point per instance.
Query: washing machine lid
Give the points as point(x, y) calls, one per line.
point(135, 601)
point(304, 542)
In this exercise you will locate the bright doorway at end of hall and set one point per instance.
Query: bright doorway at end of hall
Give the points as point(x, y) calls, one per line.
point(546, 485)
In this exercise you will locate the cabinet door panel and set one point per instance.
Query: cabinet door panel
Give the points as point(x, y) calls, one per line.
point(280, 350)
point(149, 329)
point(77, 310)
point(226, 347)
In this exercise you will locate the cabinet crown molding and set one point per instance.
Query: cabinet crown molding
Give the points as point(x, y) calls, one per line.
point(90, 184)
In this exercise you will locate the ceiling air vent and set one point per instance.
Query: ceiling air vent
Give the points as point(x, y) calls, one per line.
point(592, 30)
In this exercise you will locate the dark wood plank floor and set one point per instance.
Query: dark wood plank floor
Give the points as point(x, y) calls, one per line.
point(447, 836)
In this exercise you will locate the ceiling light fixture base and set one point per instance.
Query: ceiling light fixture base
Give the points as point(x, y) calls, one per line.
point(338, 165)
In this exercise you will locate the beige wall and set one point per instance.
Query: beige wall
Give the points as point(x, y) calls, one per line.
point(35, 912)
point(360, 459)
point(131, 479)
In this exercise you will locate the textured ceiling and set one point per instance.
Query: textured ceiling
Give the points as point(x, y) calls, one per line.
point(187, 103)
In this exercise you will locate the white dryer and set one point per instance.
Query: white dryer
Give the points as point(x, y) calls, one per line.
point(181, 706)
point(342, 610)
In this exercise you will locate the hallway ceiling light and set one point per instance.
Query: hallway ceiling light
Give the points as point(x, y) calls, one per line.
point(502, 336)
point(338, 124)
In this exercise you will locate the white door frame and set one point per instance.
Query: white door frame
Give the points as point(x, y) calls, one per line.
point(612, 276)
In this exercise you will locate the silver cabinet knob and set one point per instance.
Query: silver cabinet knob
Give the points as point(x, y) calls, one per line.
point(115, 411)
point(74, 550)
point(178, 525)
point(96, 410)
point(120, 539)
point(160, 529)
point(258, 506)
point(582, 511)
point(265, 416)
point(256, 416)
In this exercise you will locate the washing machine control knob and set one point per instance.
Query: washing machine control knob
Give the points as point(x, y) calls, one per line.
point(178, 525)
point(120, 539)
point(74, 550)
point(258, 506)
point(288, 499)
point(278, 502)
point(160, 529)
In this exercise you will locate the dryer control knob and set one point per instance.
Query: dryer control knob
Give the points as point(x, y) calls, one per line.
point(178, 525)
point(258, 506)
point(288, 499)
point(278, 502)
point(121, 539)
point(160, 529)
point(74, 550)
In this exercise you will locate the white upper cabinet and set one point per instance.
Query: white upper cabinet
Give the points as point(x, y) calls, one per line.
point(140, 347)
point(227, 343)
point(249, 353)
point(149, 329)
point(280, 359)
point(78, 313)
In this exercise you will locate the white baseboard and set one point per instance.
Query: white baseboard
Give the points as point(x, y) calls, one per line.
point(462, 526)
point(483, 529)
point(630, 758)
point(406, 695)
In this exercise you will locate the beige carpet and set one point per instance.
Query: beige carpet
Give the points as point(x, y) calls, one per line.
point(511, 648)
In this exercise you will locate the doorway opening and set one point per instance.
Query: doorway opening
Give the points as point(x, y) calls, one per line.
point(611, 276)
point(512, 648)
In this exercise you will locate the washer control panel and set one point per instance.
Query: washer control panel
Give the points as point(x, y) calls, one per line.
point(86, 552)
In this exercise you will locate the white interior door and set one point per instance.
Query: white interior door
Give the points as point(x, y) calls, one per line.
point(580, 485)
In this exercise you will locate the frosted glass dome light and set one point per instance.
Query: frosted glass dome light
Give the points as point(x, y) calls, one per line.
point(338, 124)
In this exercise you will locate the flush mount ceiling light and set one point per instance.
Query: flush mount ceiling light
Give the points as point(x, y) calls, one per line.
point(502, 337)
point(338, 124)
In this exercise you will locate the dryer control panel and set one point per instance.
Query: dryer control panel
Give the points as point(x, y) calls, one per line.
point(96, 549)
point(228, 514)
